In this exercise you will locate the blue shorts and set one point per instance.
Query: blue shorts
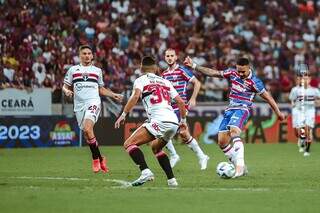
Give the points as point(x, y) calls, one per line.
point(234, 118)
point(177, 112)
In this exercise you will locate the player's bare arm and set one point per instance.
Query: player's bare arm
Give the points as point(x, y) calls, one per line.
point(107, 92)
point(183, 112)
point(207, 71)
point(267, 97)
point(67, 90)
point(130, 104)
point(196, 89)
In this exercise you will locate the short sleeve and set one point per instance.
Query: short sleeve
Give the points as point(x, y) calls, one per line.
point(100, 78)
point(227, 73)
point(292, 95)
point(68, 78)
point(187, 74)
point(259, 86)
point(138, 84)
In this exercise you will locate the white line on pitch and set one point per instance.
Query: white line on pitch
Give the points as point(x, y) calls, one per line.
point(123, 183)
point(50, 178)
point(197, 189)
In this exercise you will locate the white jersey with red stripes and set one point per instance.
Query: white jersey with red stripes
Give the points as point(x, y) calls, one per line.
point(304, 96)
point(157, 94)
point(86, 81)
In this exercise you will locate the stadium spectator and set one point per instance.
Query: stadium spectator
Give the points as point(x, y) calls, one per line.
point(276, 35)
point(4, 81)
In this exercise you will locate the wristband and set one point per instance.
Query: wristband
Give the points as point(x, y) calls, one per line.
point(194, 65)
point(123, 114)
point(183, 120)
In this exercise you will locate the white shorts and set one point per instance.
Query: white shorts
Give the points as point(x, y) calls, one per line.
point(162, 129)
point(301, 119)
point(91, 111)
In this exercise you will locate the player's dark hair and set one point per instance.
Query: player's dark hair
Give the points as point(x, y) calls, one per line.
point(148, 61)
point(85, 46)
point(243, 61)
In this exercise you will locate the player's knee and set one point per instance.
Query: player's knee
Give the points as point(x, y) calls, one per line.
point(234, 133)
point(223, 140)
point(155, 147)
point(185, 137)
point(87, 129)
point(128, 143)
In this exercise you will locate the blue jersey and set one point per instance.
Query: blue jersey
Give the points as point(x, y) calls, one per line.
point(179, 76)
point(242, 91)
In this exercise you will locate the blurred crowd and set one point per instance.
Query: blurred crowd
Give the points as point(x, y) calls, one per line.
point(40, 39)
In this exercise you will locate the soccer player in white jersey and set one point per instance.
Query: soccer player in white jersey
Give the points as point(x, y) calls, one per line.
point(85, 83)
point(303, 112)
point(300, 133)
point(156, 94)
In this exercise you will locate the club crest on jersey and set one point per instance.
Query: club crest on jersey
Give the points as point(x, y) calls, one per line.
point(85, 76)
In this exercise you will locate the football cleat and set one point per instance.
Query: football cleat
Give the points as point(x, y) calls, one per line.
point(204, 162)
point(146, 175)
point(240, 171)
point(306, 154)
point(103, 165)
point(96, 165)
point(172, 182)
point(174, 160)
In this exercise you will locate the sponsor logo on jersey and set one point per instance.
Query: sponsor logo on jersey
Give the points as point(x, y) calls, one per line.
point(238, 87)
point(80, 86)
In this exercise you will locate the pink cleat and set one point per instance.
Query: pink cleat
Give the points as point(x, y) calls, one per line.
point(103, 165)
point(96, 165)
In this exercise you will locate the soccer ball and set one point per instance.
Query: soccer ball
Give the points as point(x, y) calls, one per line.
point(225, 170)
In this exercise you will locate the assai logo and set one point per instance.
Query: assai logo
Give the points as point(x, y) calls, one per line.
point(62, 134)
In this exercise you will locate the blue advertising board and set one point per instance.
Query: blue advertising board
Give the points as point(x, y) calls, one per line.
point(38, 131)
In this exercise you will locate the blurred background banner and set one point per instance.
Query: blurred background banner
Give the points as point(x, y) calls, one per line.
point(214, 110)
point(21, 102)
point(38, 131)
point(57, 131)
point(262, 129)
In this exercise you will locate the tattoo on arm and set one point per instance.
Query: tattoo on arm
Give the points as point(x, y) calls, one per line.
point(209, 72)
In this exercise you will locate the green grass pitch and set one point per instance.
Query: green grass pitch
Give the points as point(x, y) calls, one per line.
point(60, 180)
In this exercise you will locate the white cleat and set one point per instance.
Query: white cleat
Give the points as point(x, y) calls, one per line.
point(174, 160)
point(240, 171)
point(306, 154)
point(301, 149)
point(146, 175)
point(172, 182)
point(204, 162)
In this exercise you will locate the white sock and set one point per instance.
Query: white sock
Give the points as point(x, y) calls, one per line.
point(239, 151)
point(194, 146)
point(171, 149)
point(229, 152)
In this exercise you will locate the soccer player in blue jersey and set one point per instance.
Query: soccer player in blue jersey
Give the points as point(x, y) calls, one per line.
point(244, 86)
point(180, 76)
